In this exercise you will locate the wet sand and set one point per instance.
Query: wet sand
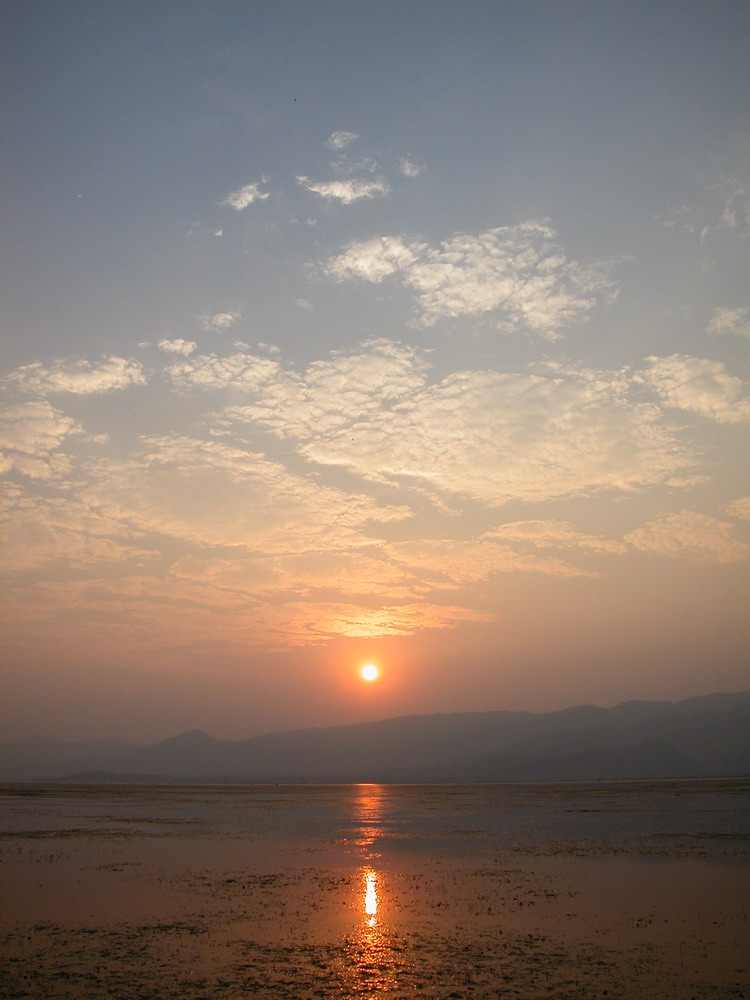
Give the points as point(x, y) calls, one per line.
point(609, 890)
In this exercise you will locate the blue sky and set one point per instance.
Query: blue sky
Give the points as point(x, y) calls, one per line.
point(414, 332)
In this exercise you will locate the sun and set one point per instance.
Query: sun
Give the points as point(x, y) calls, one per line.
point(369, 672)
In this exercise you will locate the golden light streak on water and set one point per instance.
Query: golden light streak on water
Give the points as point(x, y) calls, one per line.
point(368, 805)
point(371, 897)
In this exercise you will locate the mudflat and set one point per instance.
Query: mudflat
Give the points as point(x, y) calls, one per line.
point(620, 890)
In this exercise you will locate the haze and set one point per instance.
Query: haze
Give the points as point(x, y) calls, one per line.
point(405, 333)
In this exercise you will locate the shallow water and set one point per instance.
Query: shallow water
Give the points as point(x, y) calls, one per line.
point(535, 891)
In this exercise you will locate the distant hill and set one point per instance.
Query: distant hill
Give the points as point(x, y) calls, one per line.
point(699, 737)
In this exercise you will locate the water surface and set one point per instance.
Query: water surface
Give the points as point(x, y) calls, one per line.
point(476, 891)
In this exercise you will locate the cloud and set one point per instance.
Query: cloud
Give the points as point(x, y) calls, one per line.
point(63, 531)
point(333, 395)
point(201, 230)
point(698, 386)
point(739, 508)
point(202, 532)
point(690, 535)
point(245, 196)
point(358, 180)
point(362, 623)
point(445, 563)
point(177, 346)
point(187, 613)
point(82, 378)
point(518, 273)
point(213, 494)
point(734, 321)
point(486, 435)
point(726, 212)
point(219, 321)
point(347, 191)
point(361, 572)
point(736, 212)
point(408, 168)
point(31, 434)
point(376, 259)
point(555, 534)
point(210, 371)
point(340, 140)
point(680, 217)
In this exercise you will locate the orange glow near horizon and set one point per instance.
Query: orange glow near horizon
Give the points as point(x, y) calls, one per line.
point(369, 672)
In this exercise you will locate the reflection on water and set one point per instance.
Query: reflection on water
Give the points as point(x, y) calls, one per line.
point(371, 897)
point(368, 810)
point(607, 889)
point(373, 966)
point(368, 807)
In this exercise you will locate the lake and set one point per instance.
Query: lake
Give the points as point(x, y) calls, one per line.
point(562, 891)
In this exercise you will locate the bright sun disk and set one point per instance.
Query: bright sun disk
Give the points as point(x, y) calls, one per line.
point(369, 672)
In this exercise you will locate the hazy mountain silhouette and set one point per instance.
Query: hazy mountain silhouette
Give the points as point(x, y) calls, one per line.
point(699, 737)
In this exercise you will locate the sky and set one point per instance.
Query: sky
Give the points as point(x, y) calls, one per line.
point(406, 332)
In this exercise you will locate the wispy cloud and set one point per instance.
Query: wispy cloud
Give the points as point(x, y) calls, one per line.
point(177, 346)
point(212, 493)
point(81, 377)
point(723, 210)
point(354, 180)
point(447, 564)
point(64, 531)
point(698, 386)
point(245, 196)
point(218, 322)
point(487, 435)
point(556, 534)
point(739, 508)
point(347, 191)
point(401, 619)
point(375, 259)
point(362, 571)
point(690, 535)
point(31, 434)
point(733, 321)
point(519, 273)
point(680, 217)
point(736, 211)
point(340, 140)
point(408, 168)
point(189, 531)
point(211, 371)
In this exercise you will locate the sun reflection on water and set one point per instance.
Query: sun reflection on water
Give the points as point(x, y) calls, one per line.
point(368, 807)
point(371, 897)
point(374, 963)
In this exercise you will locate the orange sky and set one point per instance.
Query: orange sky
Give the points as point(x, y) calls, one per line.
point(323, 349)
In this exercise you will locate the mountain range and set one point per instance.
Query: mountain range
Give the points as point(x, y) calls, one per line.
point(707, 736)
